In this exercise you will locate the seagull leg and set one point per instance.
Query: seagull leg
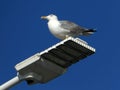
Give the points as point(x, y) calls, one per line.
point(67, 36)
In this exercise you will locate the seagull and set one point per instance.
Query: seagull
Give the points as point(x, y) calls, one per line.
point(63, 29)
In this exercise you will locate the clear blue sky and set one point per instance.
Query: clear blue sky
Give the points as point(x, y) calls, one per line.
point(23, 33)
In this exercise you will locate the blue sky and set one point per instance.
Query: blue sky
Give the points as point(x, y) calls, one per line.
point(23, 33)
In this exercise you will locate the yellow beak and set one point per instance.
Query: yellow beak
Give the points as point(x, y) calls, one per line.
point(43, 17)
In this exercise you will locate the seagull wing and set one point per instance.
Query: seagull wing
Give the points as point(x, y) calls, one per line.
point(72, 27)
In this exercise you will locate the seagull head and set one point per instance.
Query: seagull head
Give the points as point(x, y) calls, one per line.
point(50, 17)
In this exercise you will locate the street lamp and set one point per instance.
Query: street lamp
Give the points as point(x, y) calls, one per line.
point(50, 63)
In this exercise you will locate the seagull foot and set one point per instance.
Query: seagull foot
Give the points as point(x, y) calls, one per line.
point(67, 36)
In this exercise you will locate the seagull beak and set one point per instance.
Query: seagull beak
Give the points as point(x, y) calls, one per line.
point(43, 17)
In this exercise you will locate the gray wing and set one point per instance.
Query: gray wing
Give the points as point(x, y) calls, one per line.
point(74, 28)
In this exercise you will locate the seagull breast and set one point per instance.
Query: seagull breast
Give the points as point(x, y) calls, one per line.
point(55, 28)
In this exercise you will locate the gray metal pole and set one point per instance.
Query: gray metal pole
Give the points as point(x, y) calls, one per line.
point(10, 83)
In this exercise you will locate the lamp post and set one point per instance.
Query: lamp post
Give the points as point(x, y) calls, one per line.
point(50, 63)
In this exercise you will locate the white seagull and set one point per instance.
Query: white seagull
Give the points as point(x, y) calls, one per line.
point(64, 29)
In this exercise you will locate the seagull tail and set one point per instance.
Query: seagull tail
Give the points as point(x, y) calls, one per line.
point(89, 32)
